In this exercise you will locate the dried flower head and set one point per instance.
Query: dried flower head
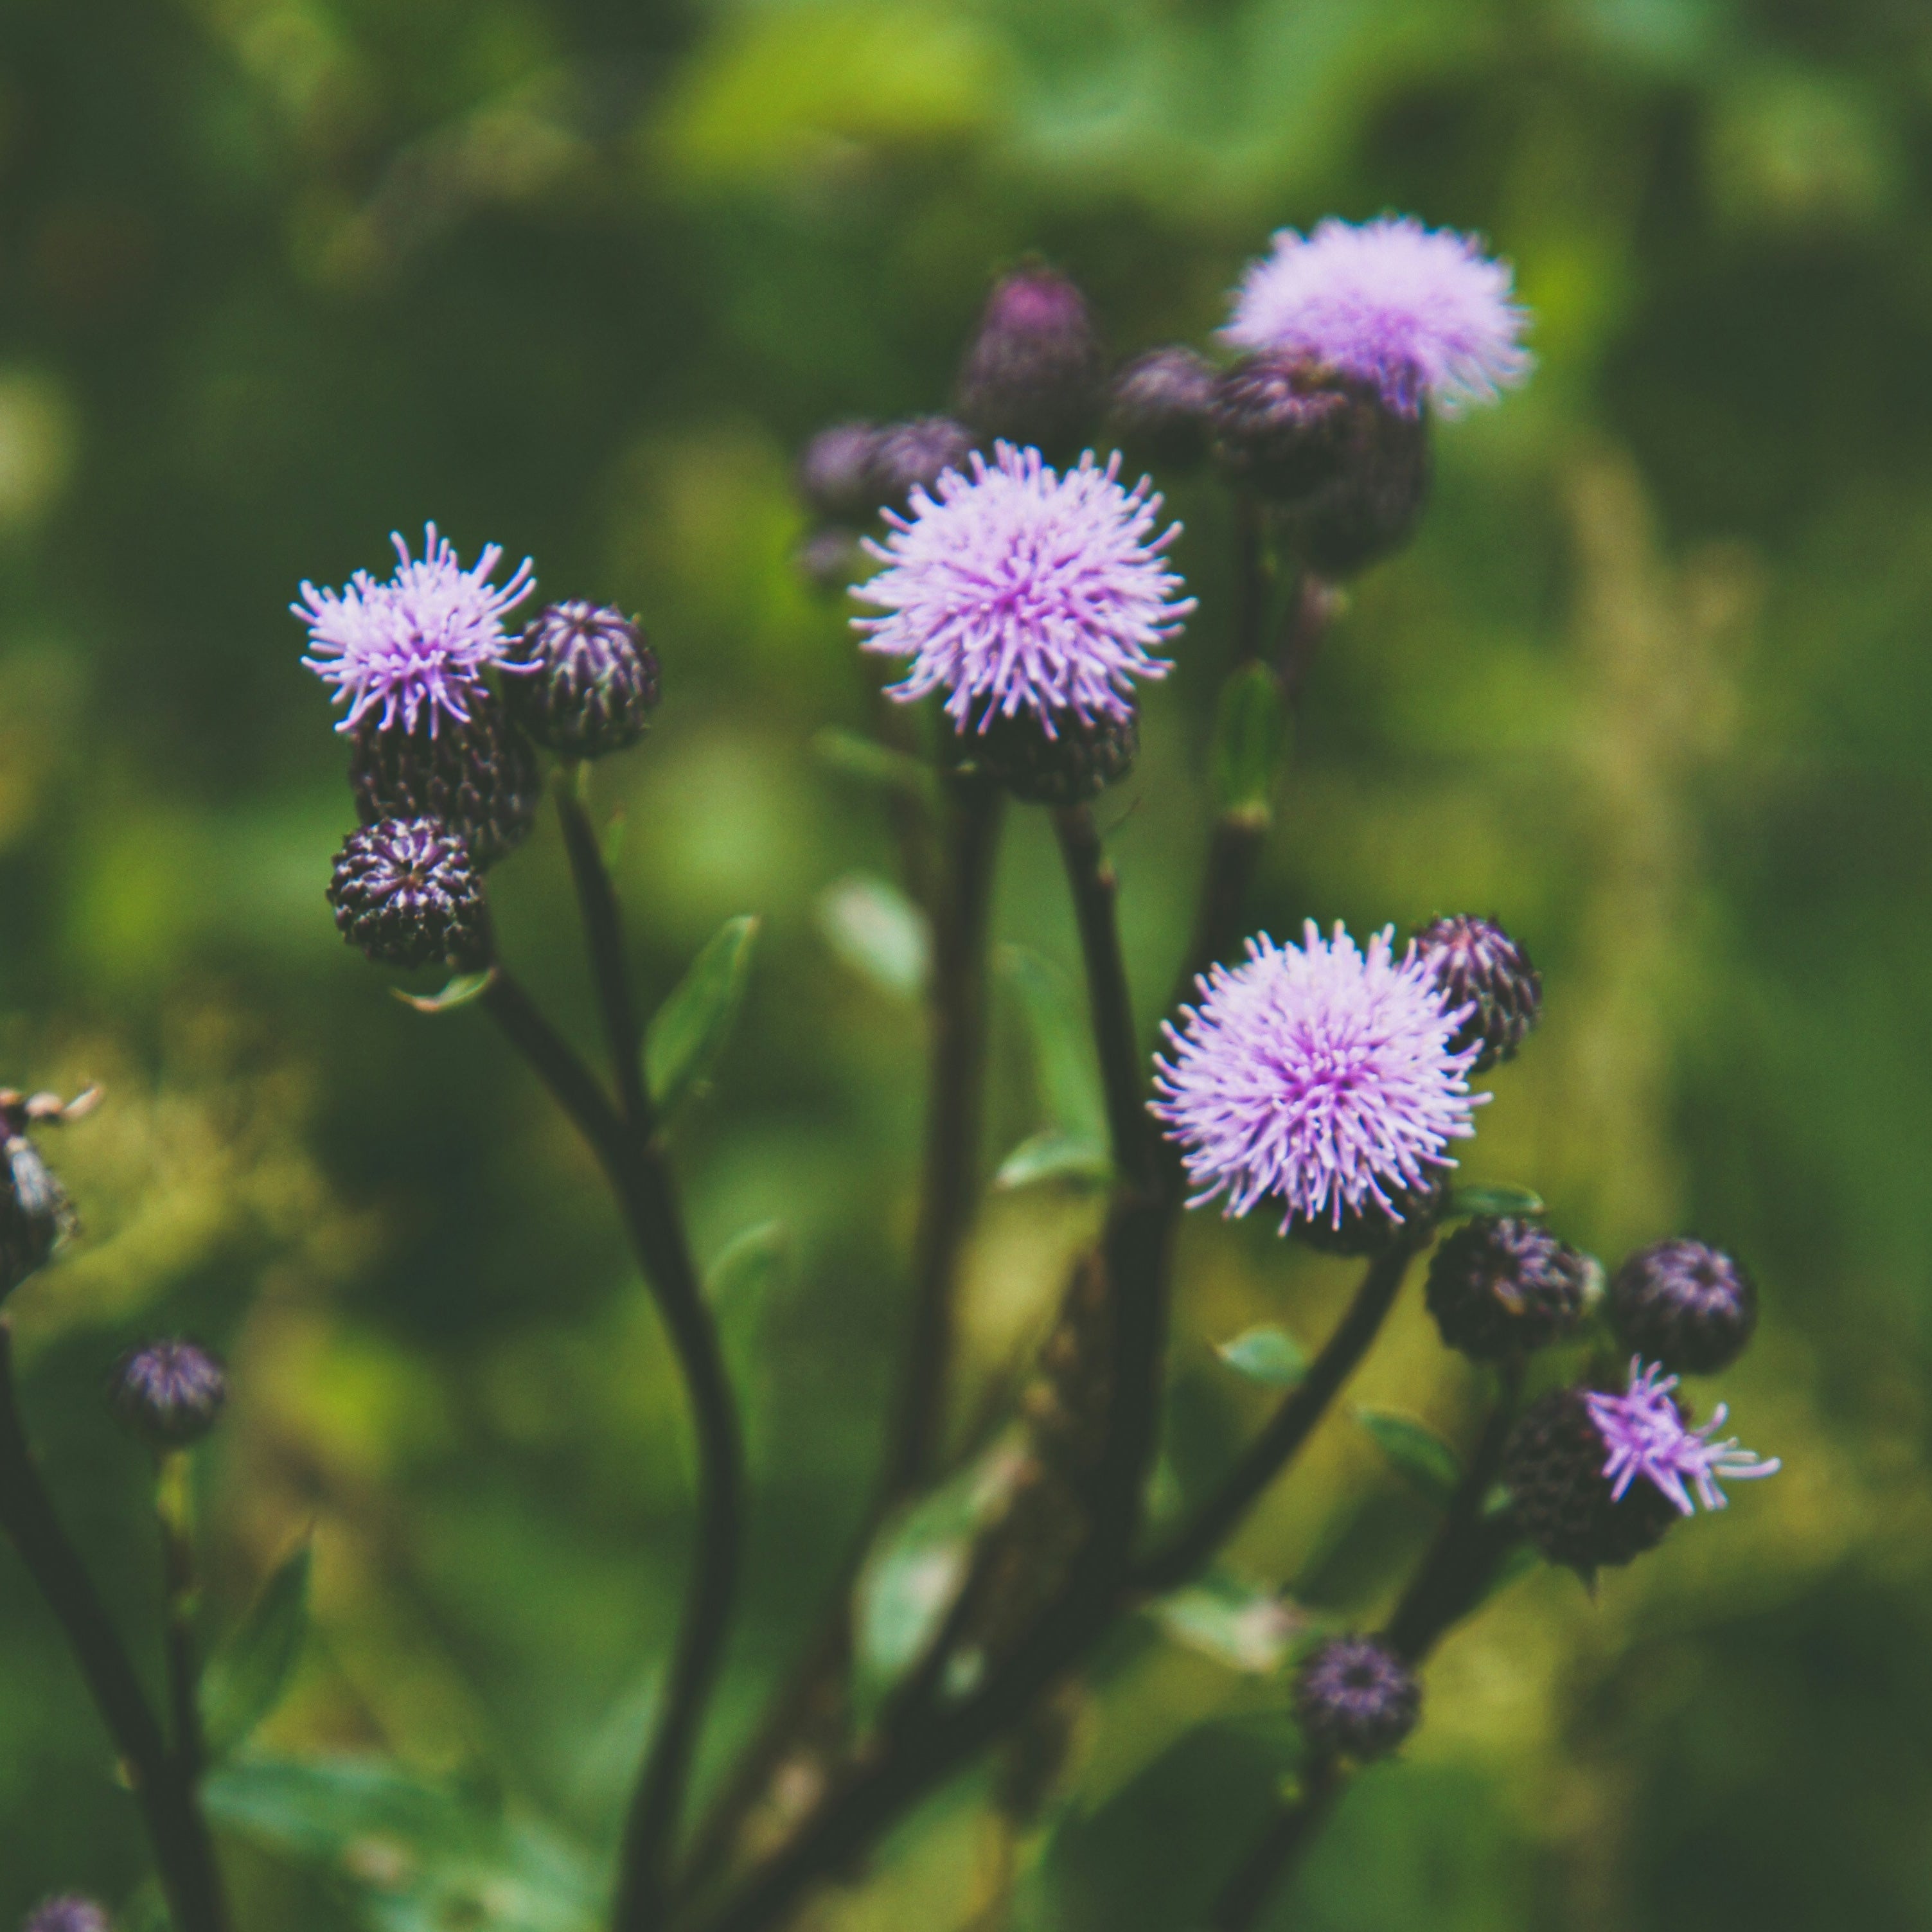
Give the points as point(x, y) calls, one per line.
point(1645, 1434)
point(417, 647)
point(1319, 1075)
point(1020, 589)
point(1422, 313)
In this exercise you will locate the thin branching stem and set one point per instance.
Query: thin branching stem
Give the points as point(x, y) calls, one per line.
point(1450, 1581)
point(163, 1784)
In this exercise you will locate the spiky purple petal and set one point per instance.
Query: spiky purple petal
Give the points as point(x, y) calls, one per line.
point(1422, 313)
point(418, 646)
point(1018, 588)
point(1646, 1435)
point(1318, 1074)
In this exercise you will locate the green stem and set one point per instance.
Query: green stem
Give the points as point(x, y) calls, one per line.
point(184, 1854)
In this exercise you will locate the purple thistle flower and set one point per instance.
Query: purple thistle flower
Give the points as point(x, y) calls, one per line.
point(1020, 589)
point(1318, 1073)
point(1422, 313)
point(1647, 1435)
point(419, 643)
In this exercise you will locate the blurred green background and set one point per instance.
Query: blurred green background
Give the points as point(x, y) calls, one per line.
point(279, 276)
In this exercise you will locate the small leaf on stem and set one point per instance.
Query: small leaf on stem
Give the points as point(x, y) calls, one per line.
point(1250, 738)
point(1492, 1198)
point(1268, 1354)
point(854, 756)
point(1416, 1450)
point(460, 992)
point(1235, 1622)
point(1051, 1155)
point(246, 1676)
point(689, 1031)
point(878, 932)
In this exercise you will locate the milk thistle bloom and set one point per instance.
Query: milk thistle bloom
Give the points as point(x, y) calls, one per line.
point(1645, 1434)
point(1018, 589)
point(1319, 1074)
point(416, 647)
point(1422, 313)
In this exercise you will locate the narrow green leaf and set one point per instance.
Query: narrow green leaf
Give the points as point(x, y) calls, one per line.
point(612, 843)
point(865, 759)
point(878, 932)
point(1493, 1197)
point(1235, 1622)
point(460, 991)
point(1416, 1450)
point(1266, 1354)
point(689, 1031)
point(1051, 1155)
point(1250, 738)
point(1065, 1081)
point(739, 1285)
point(246, 1676)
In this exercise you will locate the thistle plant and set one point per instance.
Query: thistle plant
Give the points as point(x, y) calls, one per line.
point(1019, 576)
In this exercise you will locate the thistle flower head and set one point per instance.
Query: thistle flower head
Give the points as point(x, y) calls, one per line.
point(1422, 313)
point(1018, 588)
point(417, 646)
point(1317, 1073)
point(1645, 1434)
point(1357, 1697)
point(69, 1912)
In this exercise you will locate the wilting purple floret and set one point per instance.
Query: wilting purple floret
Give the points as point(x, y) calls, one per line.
point(419, 644)
point(1647, 1435)
point(1318, 1074)
point(1020, 589)
point(1422, 313)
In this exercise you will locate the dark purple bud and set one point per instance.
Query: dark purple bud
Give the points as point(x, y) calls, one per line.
point(69, 1912)
point(1350, 473)
point(830, 558)
point(1476, 963)
point(1161, 408)
point(1082, 757)
point(1691, 1307)
point(480, 778)
point(1553, 1469)
point(169, 1394)
point(1500, 1285)
point(915, 455)
point(836, 473)
point(1034, 374)
point(594, 684)
point(405, 891)
point(1355, 1698)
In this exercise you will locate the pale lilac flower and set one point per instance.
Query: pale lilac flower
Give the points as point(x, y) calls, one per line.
point(1421, 312)
point(1317, 1073)
point(1020, 589)
point(1646, 1435)
point(419, 644)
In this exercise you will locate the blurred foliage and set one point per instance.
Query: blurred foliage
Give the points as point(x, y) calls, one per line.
point(278, 276)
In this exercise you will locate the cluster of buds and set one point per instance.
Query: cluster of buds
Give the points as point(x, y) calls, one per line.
point(446, 708)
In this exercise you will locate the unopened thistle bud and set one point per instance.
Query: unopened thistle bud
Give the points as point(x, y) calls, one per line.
point(1161, 407)
point(479, 776)
point(593, 684)
point(1499, 1285)
point(1082, 757)
point(1034, 374)
point(69, 1912)
point(405, 891)
point(35, 1213)
point(1691, 1307)
point(914, 455)
point(169, 1394)
point(1478, 965)
point(1355, 1698)
point(836, 474)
